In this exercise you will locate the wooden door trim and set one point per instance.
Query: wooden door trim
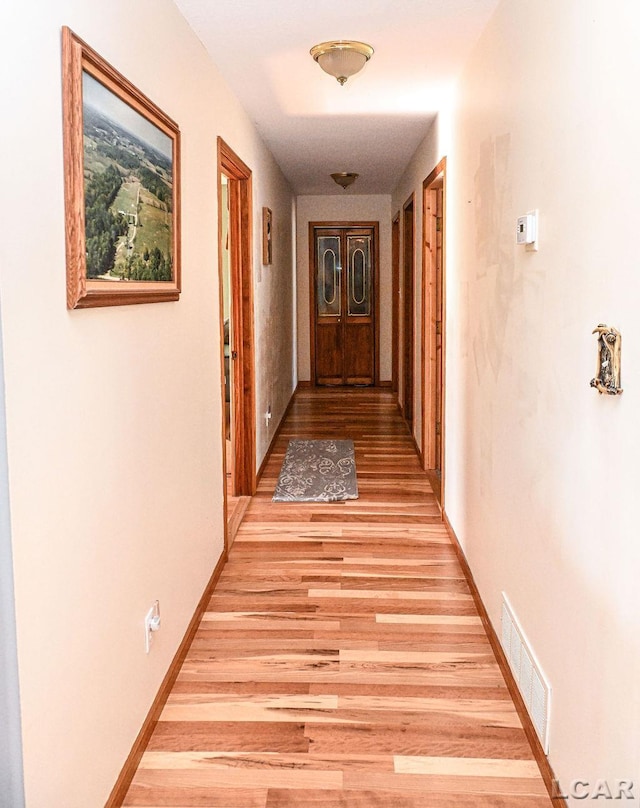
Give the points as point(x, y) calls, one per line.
point(408, 303)
point(223, 381)
point(312, 304)
point(376, 306)
point(240, 226)
point(429, 336)
point(375, 226)
point(395, 299)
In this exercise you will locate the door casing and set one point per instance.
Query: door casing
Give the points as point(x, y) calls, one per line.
point(395, 300)
point(241, 270)
point(434, 325)
point(408, 293)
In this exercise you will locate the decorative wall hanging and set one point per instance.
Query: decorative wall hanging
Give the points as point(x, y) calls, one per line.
point(122, 186)
point(267, 255)
point(607, 379)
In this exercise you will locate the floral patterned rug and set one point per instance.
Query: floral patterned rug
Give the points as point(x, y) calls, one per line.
point(317, 471)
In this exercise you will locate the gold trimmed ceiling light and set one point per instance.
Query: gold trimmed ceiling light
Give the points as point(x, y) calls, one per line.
point(342, 58)
point(344, 178)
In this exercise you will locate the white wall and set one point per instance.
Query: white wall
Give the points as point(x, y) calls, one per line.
point(541, 470)
point(114, 415)
point(348, 208)
point(11, 774)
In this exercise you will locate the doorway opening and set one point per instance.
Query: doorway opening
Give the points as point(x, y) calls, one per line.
point(227, 329)
point(407, 352)
point(433, 326)
point(237, 339)
point(344, 303)
point(395, 300)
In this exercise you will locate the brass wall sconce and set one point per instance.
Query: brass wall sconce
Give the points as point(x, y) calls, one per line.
point(607, 378)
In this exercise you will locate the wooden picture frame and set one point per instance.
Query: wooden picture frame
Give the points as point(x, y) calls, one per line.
point(122, 186)
point(267, 223)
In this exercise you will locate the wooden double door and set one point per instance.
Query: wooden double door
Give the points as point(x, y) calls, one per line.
point(343, 305)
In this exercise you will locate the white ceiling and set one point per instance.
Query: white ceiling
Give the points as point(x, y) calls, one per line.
point(373, 124)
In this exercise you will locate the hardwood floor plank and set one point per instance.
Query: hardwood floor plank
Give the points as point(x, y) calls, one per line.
point(466, 767)
point(281, 798)
point(250, 736)
point(152, 792)
point(442, 737)
point(341, 661)
point(271, 761)
point(214, 777)
point(451, 784)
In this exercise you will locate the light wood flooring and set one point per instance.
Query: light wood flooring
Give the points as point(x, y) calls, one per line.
point(341, 662)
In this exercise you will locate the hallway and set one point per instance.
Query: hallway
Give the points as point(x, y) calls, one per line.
point(341, 660)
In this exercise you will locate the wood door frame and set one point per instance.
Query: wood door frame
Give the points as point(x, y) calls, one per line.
point(435, 180)
point(408, 312)
point(241, 270)
point(395, 300)
point(376, 293)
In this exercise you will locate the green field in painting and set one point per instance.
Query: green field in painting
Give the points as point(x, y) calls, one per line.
point(154, 225)
point(94, 163)
point(127, 198)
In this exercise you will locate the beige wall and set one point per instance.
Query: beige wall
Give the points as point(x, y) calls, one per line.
point(274, 314)
point(114, 415)
point(332, 208)
point(541, 470)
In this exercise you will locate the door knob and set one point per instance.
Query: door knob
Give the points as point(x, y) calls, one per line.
point(234, 354)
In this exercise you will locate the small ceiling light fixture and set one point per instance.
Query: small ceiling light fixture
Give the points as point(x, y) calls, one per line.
point(345, 178)
point(342, 57)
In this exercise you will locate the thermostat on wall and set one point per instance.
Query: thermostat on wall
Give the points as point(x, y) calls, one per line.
point(527, 230)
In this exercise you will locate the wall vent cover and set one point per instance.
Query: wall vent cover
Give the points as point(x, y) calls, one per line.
point(531, 681)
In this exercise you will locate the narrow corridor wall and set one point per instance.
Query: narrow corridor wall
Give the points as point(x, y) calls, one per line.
point(541, 470)
point(114, 416)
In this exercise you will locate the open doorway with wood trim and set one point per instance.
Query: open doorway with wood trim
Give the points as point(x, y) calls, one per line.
point(433, 326)
point(408, 329)
point(395, 301)
point(236, 329)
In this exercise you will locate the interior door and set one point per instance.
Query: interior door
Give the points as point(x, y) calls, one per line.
point(439, 315)
point(433, 330)
point(395, 301)
point(408, 261)
point(344, 292)
point(227, 330)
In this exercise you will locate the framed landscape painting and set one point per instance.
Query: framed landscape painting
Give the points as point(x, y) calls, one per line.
point(122, 186)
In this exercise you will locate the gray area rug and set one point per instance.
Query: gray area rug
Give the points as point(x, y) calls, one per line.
point(317, 471)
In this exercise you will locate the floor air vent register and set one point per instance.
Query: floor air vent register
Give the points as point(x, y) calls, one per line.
point(533, 686)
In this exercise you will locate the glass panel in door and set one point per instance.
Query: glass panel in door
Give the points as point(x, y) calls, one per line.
point(329, 277)
point(359, 276)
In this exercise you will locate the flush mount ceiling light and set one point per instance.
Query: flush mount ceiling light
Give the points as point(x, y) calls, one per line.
point(342, 57)
point(344, 178)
